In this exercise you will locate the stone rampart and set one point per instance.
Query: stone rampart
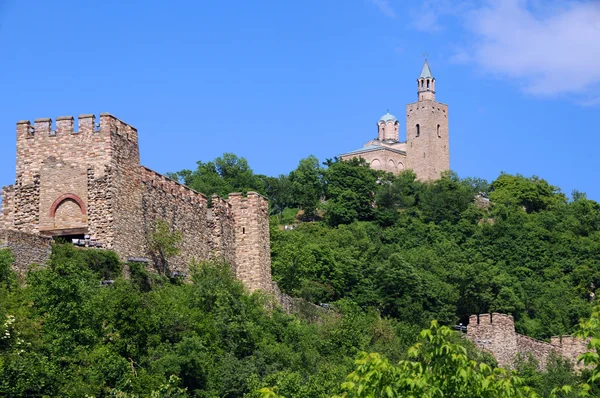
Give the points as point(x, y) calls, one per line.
point(7, 209)
point(184, 209)
point(496, 334)
point(88, 183)
point(27, 248)
point(222, 227)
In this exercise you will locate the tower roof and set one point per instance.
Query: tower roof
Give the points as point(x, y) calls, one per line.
point(425, 72)
point(387, 117)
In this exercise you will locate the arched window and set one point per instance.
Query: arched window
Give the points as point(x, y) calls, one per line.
point(427, 83)
point(418, 130)
point(422, 82)
point(438, 131)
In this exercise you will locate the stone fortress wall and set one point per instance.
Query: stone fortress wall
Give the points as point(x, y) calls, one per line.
point(496, 334)
point(89, 182)
point(26, 248)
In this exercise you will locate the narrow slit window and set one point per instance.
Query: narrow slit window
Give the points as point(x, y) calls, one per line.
point(418, 130)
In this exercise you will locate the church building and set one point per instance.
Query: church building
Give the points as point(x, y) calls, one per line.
point(426, 149)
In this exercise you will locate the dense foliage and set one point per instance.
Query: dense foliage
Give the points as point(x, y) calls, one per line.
point(422, 251)
point(64, 334)
point(389, 254)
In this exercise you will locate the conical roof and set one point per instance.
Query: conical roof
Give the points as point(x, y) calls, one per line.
point(425, 72)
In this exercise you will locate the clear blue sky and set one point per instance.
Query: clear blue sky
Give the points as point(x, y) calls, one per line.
point(275, 81)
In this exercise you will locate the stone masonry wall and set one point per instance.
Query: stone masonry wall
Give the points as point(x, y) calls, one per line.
point(57, 178)
point(125, 187)
point(37, 142)
point(427, 150)
point(26, 211)
point(252, 240)
point(570, 347)
point(27, 248)
point(99, 206)
point(540, 350)
point(53, 164)
point(90, 182)
point(183, 208)
point(496, 333)
point(222, 227)
point(8, 204)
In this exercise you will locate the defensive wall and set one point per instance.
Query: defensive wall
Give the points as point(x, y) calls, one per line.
point(496, 334)
point(88, 182)
point(26, 248)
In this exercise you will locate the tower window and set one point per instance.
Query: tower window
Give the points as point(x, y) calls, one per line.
point(438, 131)
point(427, 83)
point(418, 130)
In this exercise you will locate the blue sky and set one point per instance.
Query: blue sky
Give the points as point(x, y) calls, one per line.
point(275, 81)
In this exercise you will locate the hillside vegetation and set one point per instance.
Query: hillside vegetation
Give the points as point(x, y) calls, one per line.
point(421, 251)
point(389, 256)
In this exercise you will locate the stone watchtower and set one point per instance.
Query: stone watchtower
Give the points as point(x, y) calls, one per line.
point(427, 144)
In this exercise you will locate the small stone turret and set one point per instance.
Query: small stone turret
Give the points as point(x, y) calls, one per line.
point(496, 334)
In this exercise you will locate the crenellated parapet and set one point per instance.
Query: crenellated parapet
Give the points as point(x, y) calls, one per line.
point(496, 334)
point(109, 124)
point(93, 142)
point(82, 180)
point(86, 124)
point(177, 190)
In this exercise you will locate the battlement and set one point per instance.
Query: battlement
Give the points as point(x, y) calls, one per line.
point(496, 333)
point(494, 319)
point(86, 180)
point(172, 187)
point(65, 125)
point(237, 198)
point(565, 340)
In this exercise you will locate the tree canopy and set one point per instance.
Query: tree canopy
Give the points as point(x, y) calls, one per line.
point(393, 262)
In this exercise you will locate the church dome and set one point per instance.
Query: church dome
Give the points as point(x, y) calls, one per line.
point(388, 117)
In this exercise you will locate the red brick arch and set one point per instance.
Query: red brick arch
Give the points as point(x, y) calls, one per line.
point(64, 197)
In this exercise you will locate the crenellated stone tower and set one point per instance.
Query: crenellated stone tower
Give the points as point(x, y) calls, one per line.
point(427, 143)
point(87, 184)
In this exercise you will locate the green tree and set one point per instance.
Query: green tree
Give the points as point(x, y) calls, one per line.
point(307, 186)
point(226, 174)
point(436, 368)
point(350, 187)
point(532, 194)
point(164, 242)
point(445, 199)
